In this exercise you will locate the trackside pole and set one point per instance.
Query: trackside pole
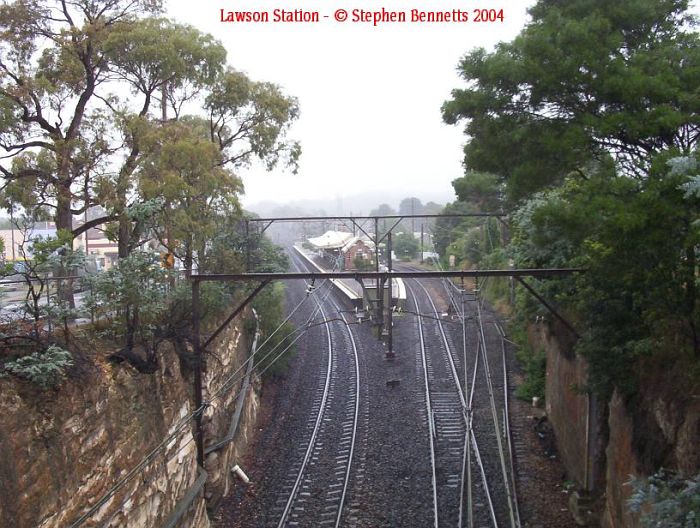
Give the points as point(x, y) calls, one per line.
point(389, 316)
point(199, 433)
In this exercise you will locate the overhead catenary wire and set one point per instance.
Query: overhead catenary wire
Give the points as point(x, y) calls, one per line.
point(181, 424)
point(187, 419)
point(489, 385)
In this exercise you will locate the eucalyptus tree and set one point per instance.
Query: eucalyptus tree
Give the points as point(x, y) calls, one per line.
point(184, 171)
point(161, 62)
point(53, 131)
point(86, 85)
point(250, 120)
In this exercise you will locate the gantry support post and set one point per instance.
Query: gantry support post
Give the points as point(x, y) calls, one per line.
point(247, 245)
point(199, 349)
point(389, 315)
point(421, 243)
point(199, 409)
point(377, 290)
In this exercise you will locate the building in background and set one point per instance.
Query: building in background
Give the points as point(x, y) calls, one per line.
point(101, 253)
point(343, 250)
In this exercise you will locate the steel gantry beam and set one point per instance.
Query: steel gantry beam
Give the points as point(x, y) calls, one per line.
point(385, 275)
point(381, 277)
point(269, 221)
point(359, 223)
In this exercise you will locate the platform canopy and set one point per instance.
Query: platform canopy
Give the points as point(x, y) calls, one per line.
point(341, 240)
point(331, 240)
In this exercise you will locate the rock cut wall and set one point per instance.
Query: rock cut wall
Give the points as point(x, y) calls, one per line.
point(62, 450)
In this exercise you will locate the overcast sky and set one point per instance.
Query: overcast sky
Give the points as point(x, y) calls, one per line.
point(370, 97)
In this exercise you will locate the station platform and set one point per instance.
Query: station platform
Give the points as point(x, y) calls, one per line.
point(352, 289)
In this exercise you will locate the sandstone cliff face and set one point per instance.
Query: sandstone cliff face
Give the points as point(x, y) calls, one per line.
point(660, 428)
point(661, 431)
point(621, 465)
point(568, 407)
point(62, 450)
point(226, 419)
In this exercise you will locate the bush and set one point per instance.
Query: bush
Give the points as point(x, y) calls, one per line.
point(269, 305)
point(665, 499)
point(535, 366)
point(46, 369)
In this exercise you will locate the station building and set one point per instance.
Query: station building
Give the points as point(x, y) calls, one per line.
point(344, 251)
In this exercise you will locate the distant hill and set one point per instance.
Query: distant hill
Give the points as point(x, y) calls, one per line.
point(358, 204)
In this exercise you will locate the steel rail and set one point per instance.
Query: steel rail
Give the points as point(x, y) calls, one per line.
point(466, 409)
point(494, 412)
point(509, 436)
point(453, 368)
point(356, 414)
point(317, 425)
point(428, 407)
point(475, 445)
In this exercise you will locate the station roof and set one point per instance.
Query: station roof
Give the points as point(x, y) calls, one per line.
point(337, 240)
point(331, 240)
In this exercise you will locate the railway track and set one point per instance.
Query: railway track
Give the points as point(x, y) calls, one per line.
point(362, 448)
point(316, 486)
point(472, 463)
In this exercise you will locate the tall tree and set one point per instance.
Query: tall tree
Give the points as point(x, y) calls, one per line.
point(156, 59)
point(183, 170)
point(410, 206)
point(249, 119)
point(584, 80)
point(53, 62)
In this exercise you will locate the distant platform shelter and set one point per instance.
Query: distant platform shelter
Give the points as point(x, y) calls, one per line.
point(344, 251)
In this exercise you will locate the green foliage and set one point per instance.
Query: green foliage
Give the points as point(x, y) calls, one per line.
point(636, 240)
point(362, 264)
point(448, 229)
point(535, 367)
point(183, 172)
point(46, 369)
point(583, 80)
point(269, 305)
point(250, 119)
point(74, 141)
point(667, 500)
point(383, 210)
point(41, 258)
point(405, 245)
point(480, 188)
point(578, 117)
point(132, 296)
point(48, 74)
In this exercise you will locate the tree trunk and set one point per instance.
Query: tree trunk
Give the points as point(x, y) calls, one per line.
point(691, 293)
point(130, 330)
point(124, 235)
point(188, 255)
point(64, 222)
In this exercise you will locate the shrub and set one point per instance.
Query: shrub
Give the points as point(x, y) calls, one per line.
point(665, 499)
point(47, 369)
point(535, 366)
